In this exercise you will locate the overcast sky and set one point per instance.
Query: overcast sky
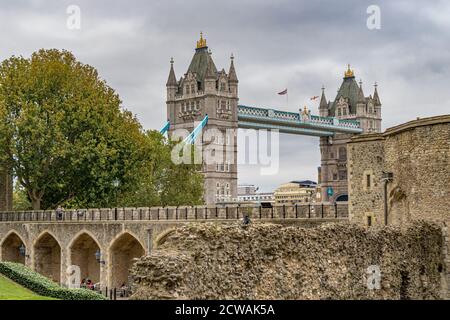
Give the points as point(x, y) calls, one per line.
point(281, 44)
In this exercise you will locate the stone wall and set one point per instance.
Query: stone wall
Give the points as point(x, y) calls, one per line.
point(418, 155)
point(268, 261)
point(365, 166)
point(52, 246)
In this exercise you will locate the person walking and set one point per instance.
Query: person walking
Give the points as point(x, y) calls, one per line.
point(59, 213)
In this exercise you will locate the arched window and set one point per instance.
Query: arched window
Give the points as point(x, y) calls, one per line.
point(342, 153)
point(339, 112)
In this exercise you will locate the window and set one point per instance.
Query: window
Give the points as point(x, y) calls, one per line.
point(344, 111)
point(342, 153)
point(192, 88)
point(187, 89)
point(368, 180)
point(343, 175)
point(369, 221)
point(339, 112)
point(222, 86)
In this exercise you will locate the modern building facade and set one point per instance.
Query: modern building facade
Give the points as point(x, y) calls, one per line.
point(296, 192)
point(249, 193)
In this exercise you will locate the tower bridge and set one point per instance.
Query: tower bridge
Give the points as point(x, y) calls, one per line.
point(294, 123)
point(209, 96)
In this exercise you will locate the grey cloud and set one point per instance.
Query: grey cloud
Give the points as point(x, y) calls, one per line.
point(295, 44)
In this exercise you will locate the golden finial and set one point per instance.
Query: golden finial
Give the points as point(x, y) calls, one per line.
point(202, 42)
point(349, 73)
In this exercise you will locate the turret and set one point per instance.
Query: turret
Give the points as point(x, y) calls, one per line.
point(232, 78)
point(171, 84)
point(361, 101)
point(210, 76)
point(323, 107)
point(376, 98)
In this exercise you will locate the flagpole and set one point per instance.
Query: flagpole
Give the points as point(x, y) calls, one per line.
point(287, 100)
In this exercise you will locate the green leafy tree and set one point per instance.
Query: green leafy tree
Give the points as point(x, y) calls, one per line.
point(20, 199)
point(159, 181)
point(66, 139)
point(64, 129)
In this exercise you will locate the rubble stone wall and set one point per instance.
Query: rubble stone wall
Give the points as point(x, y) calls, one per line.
point(269, 261)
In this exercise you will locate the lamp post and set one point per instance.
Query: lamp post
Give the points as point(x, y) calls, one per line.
point(23, 251)
point(386, 177)
point(98, 257)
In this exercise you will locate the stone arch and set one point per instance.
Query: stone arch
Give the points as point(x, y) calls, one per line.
point(10, 247)
point(342, 197)
point(47, 256)
point(162, 237)
point(82, 253)
point(123, 249)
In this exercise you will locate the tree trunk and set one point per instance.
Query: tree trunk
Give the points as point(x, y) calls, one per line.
point(36, 203)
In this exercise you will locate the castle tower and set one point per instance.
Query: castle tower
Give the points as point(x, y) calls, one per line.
point(206, 91)
point(350, 104)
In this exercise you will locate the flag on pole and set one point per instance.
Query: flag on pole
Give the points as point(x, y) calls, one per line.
point(314, 98)
point(282, 93)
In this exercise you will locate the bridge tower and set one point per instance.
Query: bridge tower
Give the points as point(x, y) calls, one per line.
point(350, 103)
point(206, 91)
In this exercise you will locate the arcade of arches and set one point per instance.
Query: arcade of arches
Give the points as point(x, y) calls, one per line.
point(104, 253)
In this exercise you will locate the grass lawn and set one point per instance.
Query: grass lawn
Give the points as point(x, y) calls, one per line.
point(10, 290)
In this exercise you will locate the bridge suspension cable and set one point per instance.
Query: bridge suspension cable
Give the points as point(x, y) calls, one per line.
point(198, 129)
point(165, 128)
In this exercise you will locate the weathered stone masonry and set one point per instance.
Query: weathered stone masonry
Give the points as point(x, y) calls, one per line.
point(52, 246)
point(267, 261)
point(417, 153)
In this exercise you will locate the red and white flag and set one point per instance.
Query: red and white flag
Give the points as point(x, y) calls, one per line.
point(314, 98)
point(282, 93)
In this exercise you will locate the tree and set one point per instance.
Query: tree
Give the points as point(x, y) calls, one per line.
point(63, 129)
point(66, 139)
point(159, 181)
point(20, 199)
